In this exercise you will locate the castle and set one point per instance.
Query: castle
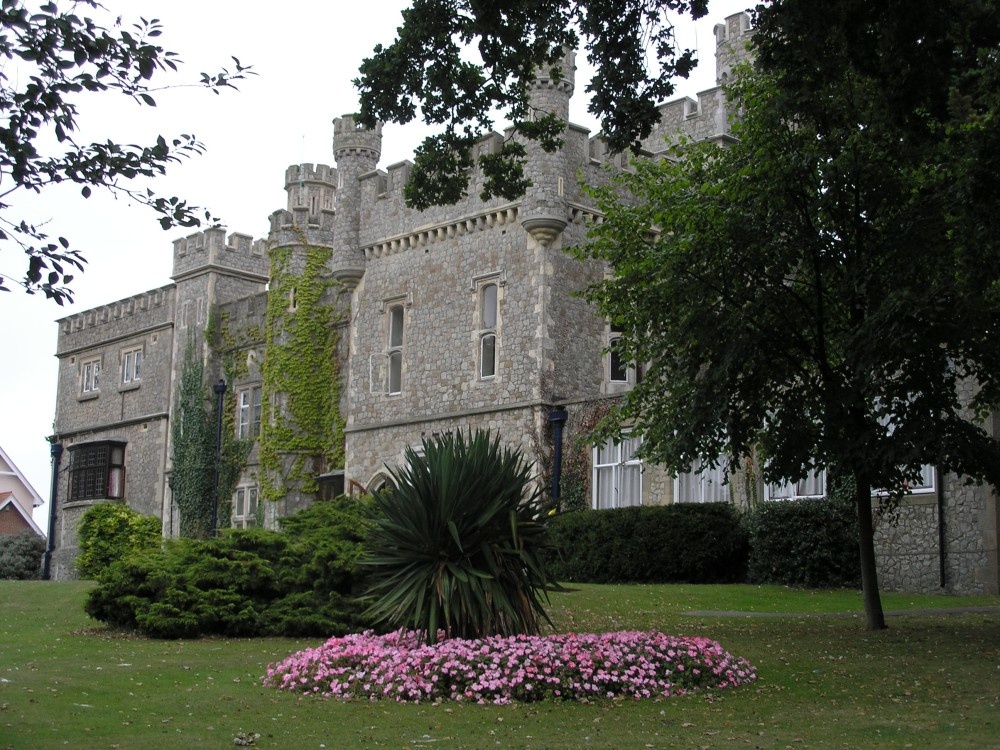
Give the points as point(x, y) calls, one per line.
point(360, 326)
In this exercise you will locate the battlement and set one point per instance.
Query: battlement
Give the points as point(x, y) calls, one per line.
point(731, 45)
point(312, 198)
point(211, 247)
point(311, 173)
point(213, 239)
point(156, 306)
point(350, 138)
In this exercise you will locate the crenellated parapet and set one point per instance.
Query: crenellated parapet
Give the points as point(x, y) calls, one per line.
point(350, 138)
point(212, 250)
point(425, 236)
point(311, 208)
point(145, 311)
point(732, 38)
point(554, 85)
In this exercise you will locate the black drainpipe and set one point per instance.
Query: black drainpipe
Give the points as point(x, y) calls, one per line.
point(940, 513)
point(558, 418)
point(55, 450)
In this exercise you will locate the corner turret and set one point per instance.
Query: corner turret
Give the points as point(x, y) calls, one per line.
point(731, 45)
point(356, 151)
point(544, 209)
point(309, 217)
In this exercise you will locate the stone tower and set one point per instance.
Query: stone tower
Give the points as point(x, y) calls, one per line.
point(731, 39)
point(544, 208)
point(356, 151)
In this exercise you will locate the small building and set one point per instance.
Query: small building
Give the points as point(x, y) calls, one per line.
point(18, 499)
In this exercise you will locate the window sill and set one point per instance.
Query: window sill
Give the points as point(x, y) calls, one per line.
point(133, 386)
point(88, 396)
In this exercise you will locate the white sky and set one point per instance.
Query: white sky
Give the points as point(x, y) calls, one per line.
point(305, 54)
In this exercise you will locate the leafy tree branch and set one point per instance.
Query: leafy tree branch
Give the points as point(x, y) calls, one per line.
point(52, 57)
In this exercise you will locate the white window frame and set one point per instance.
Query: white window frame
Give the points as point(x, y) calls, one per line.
point(812, 487)
point(395, 341)
point(806, 489)
point(248, 411)
point(487, 327)
point(619, 373)
point(90, 375)
point(616, 470)
point(131, 365)
point(245, 499)
point(616, 362)
point(703, 484)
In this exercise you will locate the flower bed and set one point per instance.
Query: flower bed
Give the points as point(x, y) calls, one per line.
point(400, 667)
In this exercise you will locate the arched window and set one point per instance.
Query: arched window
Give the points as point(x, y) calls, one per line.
point(488, 318)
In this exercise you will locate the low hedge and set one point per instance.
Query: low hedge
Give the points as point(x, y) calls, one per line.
point(811, 543)
point(682, 543)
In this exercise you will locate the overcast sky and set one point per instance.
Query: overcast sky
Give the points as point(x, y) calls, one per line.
point(305, 53)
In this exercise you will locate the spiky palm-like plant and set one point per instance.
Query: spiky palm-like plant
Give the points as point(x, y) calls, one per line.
point(459, 544)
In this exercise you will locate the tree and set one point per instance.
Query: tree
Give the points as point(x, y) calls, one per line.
point(432, 64)
point(824, 292)
point(54, 56)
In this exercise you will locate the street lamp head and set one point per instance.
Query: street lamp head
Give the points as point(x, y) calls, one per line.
point(220, 387)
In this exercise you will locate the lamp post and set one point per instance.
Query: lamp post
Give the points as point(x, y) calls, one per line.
point(220, 390)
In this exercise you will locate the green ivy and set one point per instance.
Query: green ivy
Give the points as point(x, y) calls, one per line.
point(193, 448)
point(194, 435)
point(300, 368)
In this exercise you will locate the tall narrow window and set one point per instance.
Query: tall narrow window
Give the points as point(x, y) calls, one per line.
point(131, 365)
point(90, 375)
point(488, 335)
point(394, 351)
point(617, 364)
point(248, 411)
point(617, 474)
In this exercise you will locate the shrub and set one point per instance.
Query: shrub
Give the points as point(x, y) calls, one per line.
point(810, 543)
point(21, 556)
point(459, 544)
point(303, 581)
point(110, 532)
point(682, 543)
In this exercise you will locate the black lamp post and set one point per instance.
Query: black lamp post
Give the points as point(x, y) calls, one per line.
point(220, 390)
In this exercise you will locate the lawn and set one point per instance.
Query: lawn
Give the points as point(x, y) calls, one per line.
point(929, 681)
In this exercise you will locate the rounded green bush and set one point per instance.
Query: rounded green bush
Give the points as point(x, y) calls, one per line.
point(111, 532)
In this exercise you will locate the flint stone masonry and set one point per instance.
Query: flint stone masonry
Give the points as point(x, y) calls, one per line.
point(433, 265)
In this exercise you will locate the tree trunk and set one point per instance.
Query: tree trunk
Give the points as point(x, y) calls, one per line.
point(866, 541)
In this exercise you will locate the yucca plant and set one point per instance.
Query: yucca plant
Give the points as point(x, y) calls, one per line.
point(459, 545)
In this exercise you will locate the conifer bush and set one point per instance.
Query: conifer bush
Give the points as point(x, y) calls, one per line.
point(459, 542)
point(301, 581)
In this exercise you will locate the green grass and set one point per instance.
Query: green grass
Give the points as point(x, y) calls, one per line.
point(824, 682)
